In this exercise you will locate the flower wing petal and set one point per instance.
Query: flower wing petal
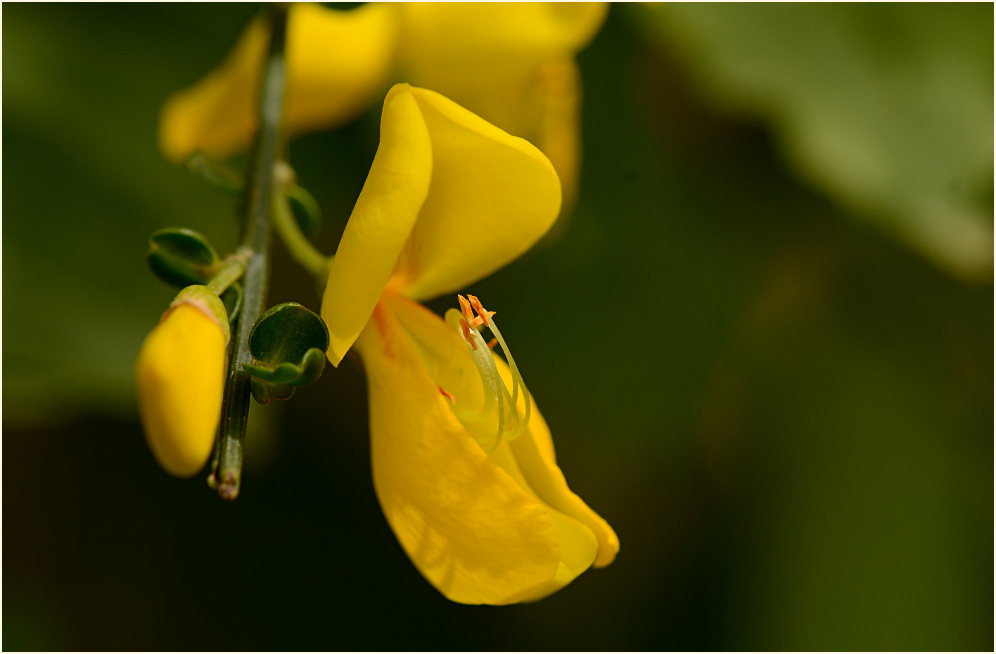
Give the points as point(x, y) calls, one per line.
point(493, 195)
point(469, 528)
point(381, 222)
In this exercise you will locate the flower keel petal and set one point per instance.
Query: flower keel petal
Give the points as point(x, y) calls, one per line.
point(180, 375)
point(469, 528)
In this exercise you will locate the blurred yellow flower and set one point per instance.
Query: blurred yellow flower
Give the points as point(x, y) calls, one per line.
point(464, 471)
point(337, 63)
point(180, 374)
point(513, 64)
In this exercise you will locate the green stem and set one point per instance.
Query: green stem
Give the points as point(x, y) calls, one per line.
point(231, 271)
point(227, 476)
point(300, 248)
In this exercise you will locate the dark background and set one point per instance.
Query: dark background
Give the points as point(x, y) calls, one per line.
point(762, 342)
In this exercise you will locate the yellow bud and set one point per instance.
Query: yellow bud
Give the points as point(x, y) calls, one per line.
point(180, 374)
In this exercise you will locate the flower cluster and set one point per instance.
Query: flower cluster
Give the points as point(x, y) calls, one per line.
point(463, 461)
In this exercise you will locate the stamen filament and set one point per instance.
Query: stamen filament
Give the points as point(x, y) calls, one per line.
point(494, 387)
point(516, 380)
point(485, 361)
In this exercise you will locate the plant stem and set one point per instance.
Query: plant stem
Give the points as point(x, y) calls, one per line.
point(227, 475)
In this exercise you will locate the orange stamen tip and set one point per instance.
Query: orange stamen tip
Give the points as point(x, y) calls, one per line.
point(492, 343)
point(466, 333)
point(448, 396)
point(482, 315)
point(465, 309)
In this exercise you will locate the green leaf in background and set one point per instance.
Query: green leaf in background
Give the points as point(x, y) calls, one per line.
point(888, 108)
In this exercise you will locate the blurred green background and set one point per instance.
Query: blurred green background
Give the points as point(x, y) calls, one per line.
point(776, 385)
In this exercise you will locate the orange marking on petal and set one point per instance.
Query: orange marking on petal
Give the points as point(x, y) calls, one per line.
point(448, 396)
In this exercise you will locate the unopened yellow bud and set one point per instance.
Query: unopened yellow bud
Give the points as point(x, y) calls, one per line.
point(180, 374)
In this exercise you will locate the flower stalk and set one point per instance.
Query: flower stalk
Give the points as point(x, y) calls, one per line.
point(226, 474)
point(230, 271)
point(300, 248)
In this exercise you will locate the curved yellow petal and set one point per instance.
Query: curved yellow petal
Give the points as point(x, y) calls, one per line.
point(337, 61)
point(474, 533)
point(492, 197)
point(381, 222)
point(180, 375)
point(449, 199)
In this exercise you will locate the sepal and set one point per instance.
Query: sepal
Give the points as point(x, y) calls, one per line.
point(288, 345)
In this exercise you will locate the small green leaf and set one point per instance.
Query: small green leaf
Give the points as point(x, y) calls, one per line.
point(181, 256)
point(214, 172)
point(307, 213)
point(288, 345)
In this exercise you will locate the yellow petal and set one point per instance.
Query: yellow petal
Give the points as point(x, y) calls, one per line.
point(474, 533)
point(492, 197)
point(180, 375)
point(337, 61)
point(449, 199)
point(382, 219)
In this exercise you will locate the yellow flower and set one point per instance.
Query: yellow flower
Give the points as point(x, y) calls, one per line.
point(463, 467)
point(180, 375)
point(511, 63)
point(337, 62)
